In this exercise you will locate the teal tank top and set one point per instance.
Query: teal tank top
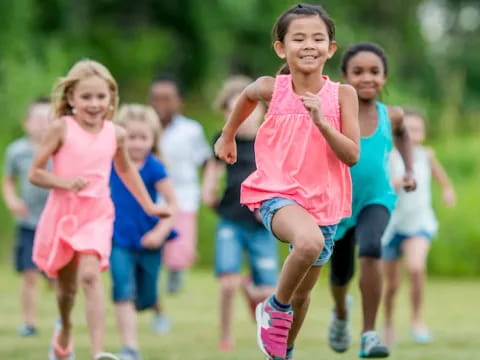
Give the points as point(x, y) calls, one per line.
point(370, 179)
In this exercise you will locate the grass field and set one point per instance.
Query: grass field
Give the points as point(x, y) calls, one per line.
point(452, 315)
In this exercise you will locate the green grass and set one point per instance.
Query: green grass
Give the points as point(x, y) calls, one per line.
point(452, 314)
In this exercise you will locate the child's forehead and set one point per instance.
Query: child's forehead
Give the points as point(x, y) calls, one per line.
point(307, 23)
point(91, 82)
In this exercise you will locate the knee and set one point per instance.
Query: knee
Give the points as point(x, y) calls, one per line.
point(308, 245)
point(371, 249)
point(89, 279)
point(392, 288)
point(67, 291)
point(228, 285)
point(341, 276)
point(416, 271)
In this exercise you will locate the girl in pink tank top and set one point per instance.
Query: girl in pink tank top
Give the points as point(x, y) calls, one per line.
point(303, 150)
point(73, 237)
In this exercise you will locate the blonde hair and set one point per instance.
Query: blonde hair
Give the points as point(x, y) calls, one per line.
point(233, 86)
point(145, 114)
point(81, 70)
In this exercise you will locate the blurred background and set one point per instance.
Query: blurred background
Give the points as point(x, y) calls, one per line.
point(433, 48)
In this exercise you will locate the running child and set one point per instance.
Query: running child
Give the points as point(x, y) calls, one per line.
point(73, 238)
point(239, 230)
point(138, 237)
point(364, 66)
point(26, 205)
point(185, 150)
point(302, 184)
point(412, 228)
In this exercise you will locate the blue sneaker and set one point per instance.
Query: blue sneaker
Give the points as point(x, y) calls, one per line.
point(129, 353)
point(422, 337)
point(161, 324)
point(371, 346)
point(27, 331)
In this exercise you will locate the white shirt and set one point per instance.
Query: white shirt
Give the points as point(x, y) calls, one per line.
point(414, 211)
point(184, 149)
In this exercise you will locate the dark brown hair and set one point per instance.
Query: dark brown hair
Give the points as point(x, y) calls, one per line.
point(283, 22)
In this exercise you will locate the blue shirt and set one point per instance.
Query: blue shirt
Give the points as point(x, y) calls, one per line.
point(131, 221)
point(370, 178)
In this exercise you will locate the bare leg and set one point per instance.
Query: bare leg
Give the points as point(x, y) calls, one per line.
point(127, 323)
point(66, 286)
point(29, 296)
point(229, 284)
point(295, 225)
point(371, 289)
point(416, 250)
point(89, 277)
point(339, 298)
point(301, 302)
point(392, 274)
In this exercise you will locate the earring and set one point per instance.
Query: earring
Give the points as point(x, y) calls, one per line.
point(74, 111)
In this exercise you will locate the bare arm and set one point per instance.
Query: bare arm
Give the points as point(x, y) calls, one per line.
point(403, 144)
point(38, 175)
point(345, 144)
point(260, 90)
point(157, 236)
point(439, 174)
point(211, 178)
point(132, 180)
point(14, 203)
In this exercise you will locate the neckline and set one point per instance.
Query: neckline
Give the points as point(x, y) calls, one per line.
point(377, 127)
point(86, 131)
point(290, 85)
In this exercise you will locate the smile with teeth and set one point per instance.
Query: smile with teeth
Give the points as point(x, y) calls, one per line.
point(308, 57)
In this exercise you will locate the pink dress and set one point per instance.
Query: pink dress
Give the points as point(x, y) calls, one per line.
point(78, 222)
point(294, 160)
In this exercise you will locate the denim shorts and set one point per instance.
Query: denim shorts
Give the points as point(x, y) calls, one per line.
point(271, 206)
point(234, 239)
point(24, 249)
point(135, 275)
point(392, 250)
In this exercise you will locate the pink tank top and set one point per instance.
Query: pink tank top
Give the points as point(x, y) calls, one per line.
point(294, 160)
point(87, 155)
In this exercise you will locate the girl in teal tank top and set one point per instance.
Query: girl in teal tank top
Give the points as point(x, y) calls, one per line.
point(364, 66)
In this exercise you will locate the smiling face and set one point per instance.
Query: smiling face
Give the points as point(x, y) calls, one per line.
point(366, 73)
point(91, 100)
point(306, 45)
point(140, 139)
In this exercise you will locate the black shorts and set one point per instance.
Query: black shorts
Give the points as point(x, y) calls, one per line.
point(24, 249)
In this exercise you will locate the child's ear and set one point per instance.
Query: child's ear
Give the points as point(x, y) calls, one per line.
point(279, 49)
point(70, 98)
point(332, 48)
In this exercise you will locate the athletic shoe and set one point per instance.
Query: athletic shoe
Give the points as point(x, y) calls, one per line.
point(289, 353)
point(422, 337)
point(106, 356)
point(161, 324)
point(129, 353)
point(371, 346)
point(27, 331)
point(339, 337)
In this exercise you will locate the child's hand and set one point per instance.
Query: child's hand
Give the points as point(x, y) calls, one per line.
point(226, 150)
point(76, 184)
point(449, 197)
point(160, 211)
point(409, 183)
point(314, 107)
point(152, 240)
point(19, 209)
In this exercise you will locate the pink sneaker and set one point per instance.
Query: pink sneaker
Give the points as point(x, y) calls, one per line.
point(272, 330)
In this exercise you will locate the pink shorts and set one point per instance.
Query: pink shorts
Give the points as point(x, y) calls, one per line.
point(181, 253)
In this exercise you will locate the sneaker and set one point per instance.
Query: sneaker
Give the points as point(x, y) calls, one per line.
point(27, 331)
point(175, 281)
point(55, 351)
point(161, 324)
point(225, 347)
point(422, 337)
point(339, 337)
point(105, 356)
point(273, 327)
point(129, 353)
point(371, 346)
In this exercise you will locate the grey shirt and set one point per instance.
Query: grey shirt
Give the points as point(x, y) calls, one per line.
point(19, 156)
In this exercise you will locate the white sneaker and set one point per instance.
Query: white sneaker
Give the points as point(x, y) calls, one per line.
point(105, 356)
point(339, 337)
point(371, 346)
